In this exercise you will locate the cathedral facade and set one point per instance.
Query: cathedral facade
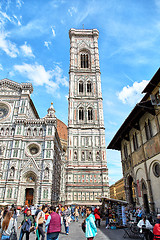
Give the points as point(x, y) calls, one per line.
point(30, 148)
point(86, 173)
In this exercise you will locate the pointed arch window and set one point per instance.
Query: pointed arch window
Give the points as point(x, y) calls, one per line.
point(89, 87)
point(80, 87)
point(125, 151)
point(148, 130)
point(90, 114)
point(81, 114)
point(135, 142)
point(84, 60)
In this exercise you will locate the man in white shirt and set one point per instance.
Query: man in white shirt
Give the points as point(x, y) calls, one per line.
point(145, 227)
point(40, 219)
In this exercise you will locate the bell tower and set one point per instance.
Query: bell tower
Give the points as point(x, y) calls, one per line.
point(87, 173)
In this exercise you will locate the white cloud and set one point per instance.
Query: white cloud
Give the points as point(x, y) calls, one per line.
point(53, 32)
point(109, 103)
point(38, 75)
point(5, 16)
point(72, 10)
point(19, 3)
point(1, 67)
point(18, 21)
point(132, 94)
point(67, 97)
point(112, 123)
point(46, 44)
point(58, 74)
point(7, 46)
point(27, 50)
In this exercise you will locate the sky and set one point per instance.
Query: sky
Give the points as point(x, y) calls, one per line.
point(35, 47)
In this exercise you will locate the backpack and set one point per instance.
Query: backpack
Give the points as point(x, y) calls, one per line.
point(26, 225)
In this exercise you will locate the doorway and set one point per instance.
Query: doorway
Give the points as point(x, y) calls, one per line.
point(29, 196)
point(145, 197)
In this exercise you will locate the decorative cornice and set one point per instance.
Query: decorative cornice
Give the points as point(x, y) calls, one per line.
point(83, 32)
point(35, 121)
point(18, 86)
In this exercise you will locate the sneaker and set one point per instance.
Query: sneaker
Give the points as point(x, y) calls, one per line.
point(66, 233)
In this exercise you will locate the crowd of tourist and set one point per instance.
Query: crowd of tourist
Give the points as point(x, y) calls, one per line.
point(46, 220)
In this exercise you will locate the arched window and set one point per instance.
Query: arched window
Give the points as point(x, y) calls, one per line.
point(125, 151)
point(135, 142)
point(89, 87)
point(148, 130)
point(80, 87)
point(81, 114)
point(84, 60)
point(90, 114)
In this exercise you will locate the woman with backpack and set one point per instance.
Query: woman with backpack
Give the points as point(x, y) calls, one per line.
point(26, 224)
point(8, 225)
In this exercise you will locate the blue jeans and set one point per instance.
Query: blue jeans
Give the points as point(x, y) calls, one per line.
point(66, 228)
point(107, 221)
point(22, 233)
point(77, 218)
point(5, 237)
point(52, 236)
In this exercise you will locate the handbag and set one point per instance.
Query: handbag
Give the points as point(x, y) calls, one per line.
point(40, 220)
point(13, 235)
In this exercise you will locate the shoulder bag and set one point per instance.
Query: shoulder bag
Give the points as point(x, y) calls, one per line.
point(40, 220)
point(13, 235)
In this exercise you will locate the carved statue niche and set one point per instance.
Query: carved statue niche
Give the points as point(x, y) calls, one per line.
point(90, 156)
point(12, 172)
point(83, 158)
point(46, 173)
point(75, 155)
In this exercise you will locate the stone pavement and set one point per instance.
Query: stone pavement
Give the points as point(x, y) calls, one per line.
point(76, 232)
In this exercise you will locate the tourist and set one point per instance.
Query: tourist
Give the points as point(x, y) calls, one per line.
point(76, 213)
point(26, 224)
point(7, 225)
point(91, 229)
point(25, 210)
point(40, 219)
point(38, 210)
point(72, 214)
point(107, 217)
point(83, 211)
point(33, 211)
point(66, 218)
point(156, 229)
point(139, 213)
point(145, 228)
point(53, 225)
point(97, 216)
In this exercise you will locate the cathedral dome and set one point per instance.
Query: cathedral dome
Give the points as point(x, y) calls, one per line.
point(62, 130)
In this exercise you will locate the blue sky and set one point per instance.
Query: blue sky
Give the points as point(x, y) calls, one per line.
point(34, 46)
